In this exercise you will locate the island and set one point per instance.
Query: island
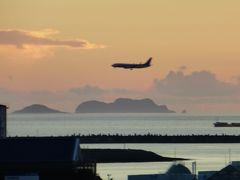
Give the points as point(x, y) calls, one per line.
point(124, 156)
point(37, 108)
point(123, 105)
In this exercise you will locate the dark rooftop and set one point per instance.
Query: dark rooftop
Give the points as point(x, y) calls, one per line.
point(39, 150)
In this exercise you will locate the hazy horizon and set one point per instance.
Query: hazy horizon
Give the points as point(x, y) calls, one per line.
point(60, 53)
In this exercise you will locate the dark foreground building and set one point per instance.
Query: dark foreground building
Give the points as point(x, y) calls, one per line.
point(3, 121)
point(44, 159)
point(230, 172)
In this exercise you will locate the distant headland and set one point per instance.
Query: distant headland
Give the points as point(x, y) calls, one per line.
point(123, 105)
point(37, 108)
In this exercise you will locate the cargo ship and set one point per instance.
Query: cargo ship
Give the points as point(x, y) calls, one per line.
point(225, 124)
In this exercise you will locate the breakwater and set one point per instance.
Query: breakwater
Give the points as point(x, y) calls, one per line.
point(147, 138)
point(152, 138)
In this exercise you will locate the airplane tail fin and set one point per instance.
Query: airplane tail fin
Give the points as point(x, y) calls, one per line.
point(148, 63)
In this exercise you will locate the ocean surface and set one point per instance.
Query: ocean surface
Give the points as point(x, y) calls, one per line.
point(207, 156)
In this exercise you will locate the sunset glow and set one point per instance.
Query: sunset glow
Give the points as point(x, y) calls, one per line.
point(55, 46)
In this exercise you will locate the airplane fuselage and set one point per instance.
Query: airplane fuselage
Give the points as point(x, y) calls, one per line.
point(129, 66)
point(133, 66)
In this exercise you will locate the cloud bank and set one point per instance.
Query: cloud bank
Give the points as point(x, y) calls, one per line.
point(196, 84)
point(199, 91)
point(94, 91)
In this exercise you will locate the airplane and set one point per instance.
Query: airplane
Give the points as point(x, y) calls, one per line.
point(133, 66)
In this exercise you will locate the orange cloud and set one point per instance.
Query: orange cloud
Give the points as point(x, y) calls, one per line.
point(20, 38)
point(36, 44)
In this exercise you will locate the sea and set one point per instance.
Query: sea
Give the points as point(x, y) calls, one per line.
point(208, 157)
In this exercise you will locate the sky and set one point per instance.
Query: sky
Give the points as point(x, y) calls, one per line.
point(59, 53)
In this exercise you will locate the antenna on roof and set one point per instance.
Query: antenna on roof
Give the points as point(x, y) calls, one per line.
point(175, 155)
point(225, 155)
point(229, 155)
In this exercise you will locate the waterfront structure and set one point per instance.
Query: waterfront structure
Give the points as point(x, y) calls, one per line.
point(44, 158)
point(176, 172)
point(3, 121)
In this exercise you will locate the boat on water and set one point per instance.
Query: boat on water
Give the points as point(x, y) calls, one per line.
point(225, 124)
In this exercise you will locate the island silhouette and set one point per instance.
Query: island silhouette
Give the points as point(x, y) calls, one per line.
point(123, 105)
point(37, 108)
point(120, 105)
